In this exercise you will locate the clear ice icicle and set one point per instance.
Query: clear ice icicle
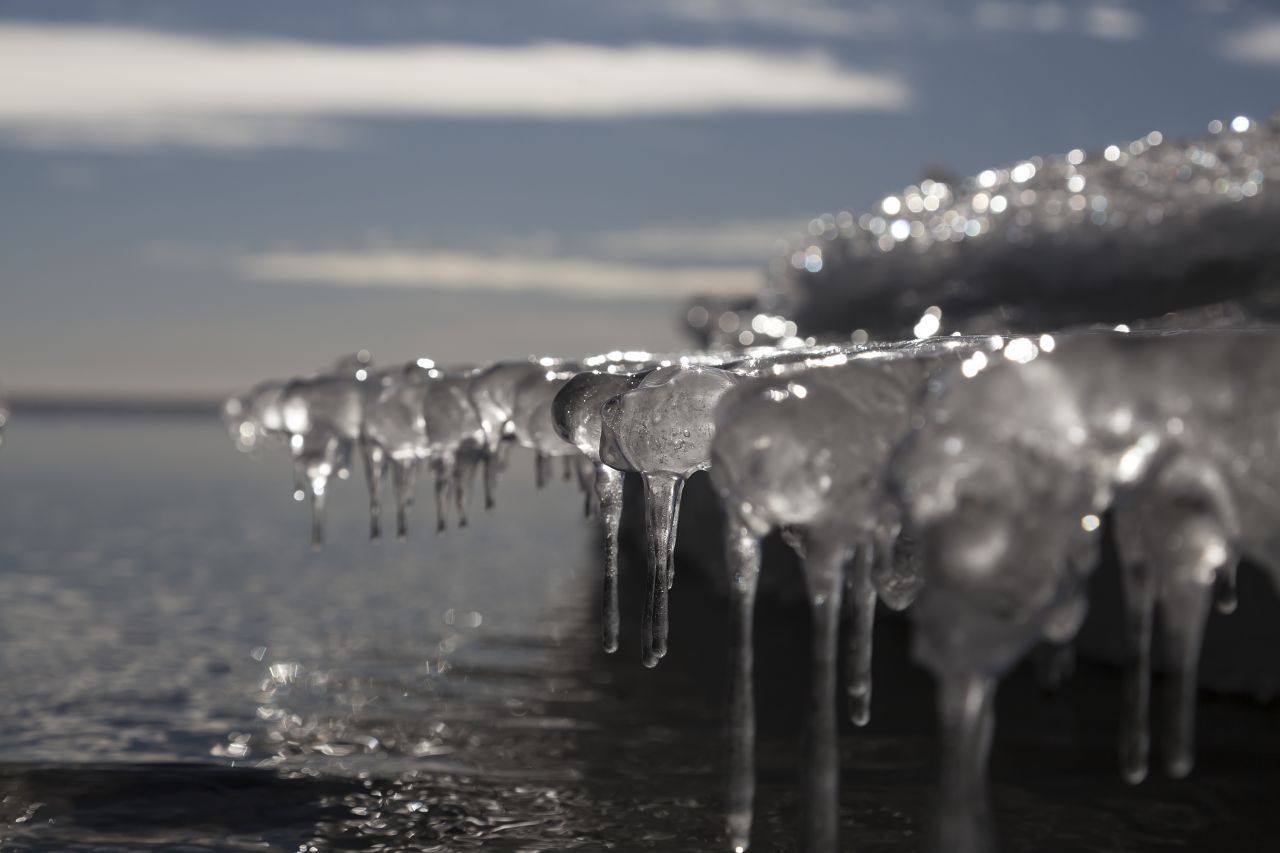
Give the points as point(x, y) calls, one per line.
point(1135, 733)
point(1175, 535)
point(743, 556)
point(464, 474)
point(491, 469)
point(541, 470)
point(1185, 609)
point(860, 599)
point(444, 484)
point(317, 513)
point(609, 491)
point(402, 478)
point(662, 495)
point(375, 469)
point(824, 574)
point(966, 707)
point(1224, 587)
point(662, 504)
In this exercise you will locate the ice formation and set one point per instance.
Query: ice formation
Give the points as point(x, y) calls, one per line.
point(662, 429)
point(967, 478)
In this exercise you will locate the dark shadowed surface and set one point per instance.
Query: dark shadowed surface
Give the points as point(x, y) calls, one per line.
point(179, 672)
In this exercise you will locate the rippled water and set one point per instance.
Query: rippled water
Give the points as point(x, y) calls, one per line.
point(178, 671)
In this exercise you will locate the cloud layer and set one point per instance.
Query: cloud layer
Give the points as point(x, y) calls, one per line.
point(1260, 44)
point(406, 268)
point(119, 87)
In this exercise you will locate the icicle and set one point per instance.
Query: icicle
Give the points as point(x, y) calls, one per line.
point(443, 470)
point(1185, 607)
point(375, 469)
point(402, 477)
point(1135, 731)
point(311, 468)
point(743, 555)
point(317, 512)
point(541, 470)
point(861, 603)
point(671, 540)
point(464, 473)
point(966, 707)
point(566, 465)
point(897, 570)
point(609, 490)
point(824, 574)
point(1224, 588)
point(490, 478)
point(661, 497)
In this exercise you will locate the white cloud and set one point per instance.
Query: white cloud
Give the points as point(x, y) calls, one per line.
point(1101, 20)
point(119, 87)
point(806, 17)
point(736, 240)
point(473, 270)
point(1259, 44)
point(1114, 22)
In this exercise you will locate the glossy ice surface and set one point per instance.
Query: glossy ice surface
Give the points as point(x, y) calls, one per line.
point(1019, 454)
point(1131, 231)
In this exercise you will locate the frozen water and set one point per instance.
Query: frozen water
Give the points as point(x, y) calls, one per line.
point(662, 429)
point(322, 417)
point(1131, 231)
point(1019, 458)
point(394, 436)
point(456, 443)
point(999, 458)
point(256, 419)
point(532, 423)
point(805, 451)
point(577, 417)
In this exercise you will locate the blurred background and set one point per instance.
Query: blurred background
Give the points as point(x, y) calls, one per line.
point(199, 195)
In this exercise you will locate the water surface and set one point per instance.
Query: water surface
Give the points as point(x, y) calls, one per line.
point(179, 671)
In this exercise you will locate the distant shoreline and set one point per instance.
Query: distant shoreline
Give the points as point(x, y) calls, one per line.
point(39, 404)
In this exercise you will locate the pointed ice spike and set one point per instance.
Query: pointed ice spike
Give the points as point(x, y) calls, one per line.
point(609, 490)
point(402, 482)
point(648, 656)
point(490, 479)
point(661, 493)
point(443, 475)
point(742, 549)
point(824, 575)
point(1224, 588)
point(676, 496)
point(541, 470)
point(375, 466)
point(1185, 607)
point(317, 512)
point(1135, 728)
point(861, 603)
point(966, 708)
point(897, 571)
point(463, 479)
point(566, 464)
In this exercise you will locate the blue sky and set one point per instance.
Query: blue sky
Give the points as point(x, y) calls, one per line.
point(198, 195)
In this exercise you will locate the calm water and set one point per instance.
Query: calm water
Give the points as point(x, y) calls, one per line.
point(179, 671)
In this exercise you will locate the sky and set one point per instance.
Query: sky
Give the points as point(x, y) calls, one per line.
point(198, 195)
